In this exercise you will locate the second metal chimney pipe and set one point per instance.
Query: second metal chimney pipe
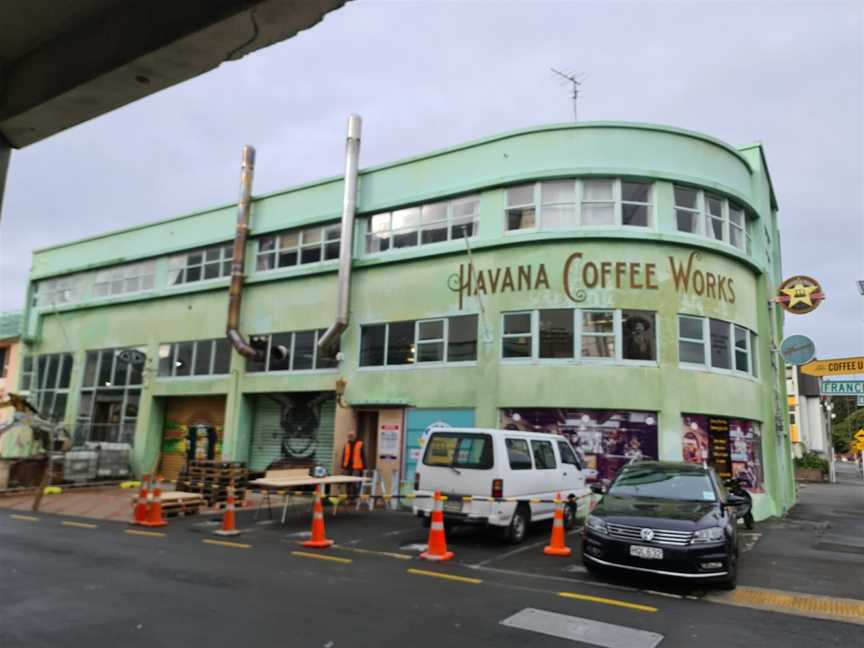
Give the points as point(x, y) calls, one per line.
point(235, 292)
point(327, 344)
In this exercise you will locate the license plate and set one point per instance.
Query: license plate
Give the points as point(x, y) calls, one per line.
point(652, 553)
point(453, 506)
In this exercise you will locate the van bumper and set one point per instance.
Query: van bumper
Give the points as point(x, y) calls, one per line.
point(473, 513)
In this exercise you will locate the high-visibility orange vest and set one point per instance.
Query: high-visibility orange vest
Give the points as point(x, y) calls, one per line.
point(352, 456)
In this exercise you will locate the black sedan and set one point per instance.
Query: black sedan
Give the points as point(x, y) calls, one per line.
point(666, 518)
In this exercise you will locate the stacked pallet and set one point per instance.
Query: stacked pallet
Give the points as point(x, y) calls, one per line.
point(175, 503)
point(211, 479)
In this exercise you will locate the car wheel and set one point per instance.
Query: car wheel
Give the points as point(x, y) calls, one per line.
point(730, 582)
point(570, 513)
point(518, 528)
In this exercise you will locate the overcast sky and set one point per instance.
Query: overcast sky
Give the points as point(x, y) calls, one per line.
point(430, 74)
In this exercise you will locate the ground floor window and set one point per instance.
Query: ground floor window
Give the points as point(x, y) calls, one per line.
point(733, 447)
point(47, 377)
point(110, 394)
point(604, 440)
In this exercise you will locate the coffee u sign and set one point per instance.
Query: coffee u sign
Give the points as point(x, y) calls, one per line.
point(579, 275)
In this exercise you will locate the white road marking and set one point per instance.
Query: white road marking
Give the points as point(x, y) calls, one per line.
point(414, 547)
point(587, 631)
point(510, 553)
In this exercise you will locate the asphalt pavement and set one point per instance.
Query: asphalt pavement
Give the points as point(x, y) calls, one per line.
point(74, 583)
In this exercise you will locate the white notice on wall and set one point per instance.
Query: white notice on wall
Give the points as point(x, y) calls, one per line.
point(388, 442)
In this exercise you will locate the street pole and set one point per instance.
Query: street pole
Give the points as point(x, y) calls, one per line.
point(829, 449)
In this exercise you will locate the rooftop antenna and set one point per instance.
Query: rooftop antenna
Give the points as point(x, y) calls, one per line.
point(575, 80)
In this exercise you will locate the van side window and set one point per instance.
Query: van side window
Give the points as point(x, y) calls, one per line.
point(544, 455)
point(567, 454)
point(517, 452)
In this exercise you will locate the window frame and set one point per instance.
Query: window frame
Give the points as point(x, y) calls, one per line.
point(144, 269)
point(316, 357)
point(751, 346)
point(174, 348)
point(579, 200)
point(226, 256)
point(705, 219)
point(445, 341)
point(450, 223)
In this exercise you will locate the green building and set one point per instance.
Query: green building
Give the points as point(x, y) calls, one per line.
point(607, 281)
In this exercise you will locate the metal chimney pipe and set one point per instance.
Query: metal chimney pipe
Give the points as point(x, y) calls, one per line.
point(235, 292)
point(327, 344)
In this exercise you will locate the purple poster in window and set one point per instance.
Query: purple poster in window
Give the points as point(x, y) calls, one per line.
point(604, 440)
point(731, 446)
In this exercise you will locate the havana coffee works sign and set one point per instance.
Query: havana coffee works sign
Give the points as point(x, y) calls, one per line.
point(577, 276)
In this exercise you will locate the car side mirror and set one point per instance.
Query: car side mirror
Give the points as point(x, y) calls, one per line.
point(598, 489)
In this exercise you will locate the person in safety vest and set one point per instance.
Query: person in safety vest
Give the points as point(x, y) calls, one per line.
point(353, 460)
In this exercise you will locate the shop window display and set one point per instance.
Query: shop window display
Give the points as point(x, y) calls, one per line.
point(731, 446)
point(604, 440)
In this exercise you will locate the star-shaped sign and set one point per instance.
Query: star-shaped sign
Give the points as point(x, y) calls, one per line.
point(800, 294)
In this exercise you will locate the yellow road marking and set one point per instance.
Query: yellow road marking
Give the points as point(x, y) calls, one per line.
point(79, 525)
point(607, 601)
point(459, 579)
point(149, 534)
point(225, 543)
point(26, 518)
point(388, 554)
point(304, 554)
point(799, 604)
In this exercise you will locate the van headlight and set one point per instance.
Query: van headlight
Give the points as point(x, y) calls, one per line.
point(597, 525)
point(711, 534)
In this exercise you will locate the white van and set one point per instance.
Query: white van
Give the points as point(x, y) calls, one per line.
point(499, 464)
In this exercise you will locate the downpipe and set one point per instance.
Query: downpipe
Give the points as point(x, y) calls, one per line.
point(330, 340)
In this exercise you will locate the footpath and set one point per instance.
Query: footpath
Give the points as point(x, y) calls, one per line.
point(812, 561)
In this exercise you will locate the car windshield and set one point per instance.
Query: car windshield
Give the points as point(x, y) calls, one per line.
point(459, 450)
point(663, 483)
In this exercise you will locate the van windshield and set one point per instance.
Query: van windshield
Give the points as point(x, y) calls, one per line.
point(459, 450)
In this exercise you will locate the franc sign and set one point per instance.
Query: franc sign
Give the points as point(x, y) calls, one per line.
point(841, 387)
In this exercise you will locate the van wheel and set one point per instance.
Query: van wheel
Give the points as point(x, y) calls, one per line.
point(570, 513)
point(518, 528)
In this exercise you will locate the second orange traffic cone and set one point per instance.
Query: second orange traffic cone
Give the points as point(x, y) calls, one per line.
point(228, 522)
point(140, 512)
point(557, 547)
point(319, 538)
point(154, 507)
point(437, 549)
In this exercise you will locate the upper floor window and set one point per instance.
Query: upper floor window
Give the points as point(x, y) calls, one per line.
point(716, 344)
point(62, 290)
point(431, 223)
point(571, 204)
point(706, 214)
point(110, 395)
point(200, 265)
point(130, 278)
point(438, 340)
point(195, 358)
point(290, 351)
point(298, 247)
point(573, 334)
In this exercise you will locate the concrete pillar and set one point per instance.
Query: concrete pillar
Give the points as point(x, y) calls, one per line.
point(5, 154)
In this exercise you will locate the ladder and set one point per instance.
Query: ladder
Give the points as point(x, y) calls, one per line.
point(372, 481)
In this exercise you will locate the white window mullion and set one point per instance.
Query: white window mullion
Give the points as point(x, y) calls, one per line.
point(577, 195)
point(616, 197)
point(386, 343)
point(619, 338)
point(445, 354)
point(577, 334)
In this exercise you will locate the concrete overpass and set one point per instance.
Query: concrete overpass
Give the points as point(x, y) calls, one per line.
point(63, 62)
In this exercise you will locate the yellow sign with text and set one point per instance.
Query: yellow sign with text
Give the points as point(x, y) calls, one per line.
point(834, 367)
point(859, 435)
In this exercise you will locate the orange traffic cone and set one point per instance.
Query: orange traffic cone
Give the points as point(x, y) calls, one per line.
point(228, 528)
point(139, 515)
point(557, 547)
point(437, 549)
point(154, 506)
point(319, 539)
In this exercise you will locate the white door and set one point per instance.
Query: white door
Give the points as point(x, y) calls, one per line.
point(547, 477)
point(572, 478)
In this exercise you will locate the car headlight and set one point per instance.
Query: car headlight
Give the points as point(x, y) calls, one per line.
point(596, 524)
point(711, 534)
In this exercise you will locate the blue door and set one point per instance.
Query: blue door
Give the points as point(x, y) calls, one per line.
point(417, 421)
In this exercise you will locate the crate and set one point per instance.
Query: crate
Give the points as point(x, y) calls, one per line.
point(211, 480)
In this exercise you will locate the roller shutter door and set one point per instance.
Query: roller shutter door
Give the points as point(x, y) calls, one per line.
point(305, 447)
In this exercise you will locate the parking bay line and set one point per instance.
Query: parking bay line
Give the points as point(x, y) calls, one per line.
point(24, 518)
point(225, 543)
point(387, 554)
point(607, 601)
point(305, 554)
point(482, 563)
point(79, 525)
point(148, 534)
point(450, 577)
